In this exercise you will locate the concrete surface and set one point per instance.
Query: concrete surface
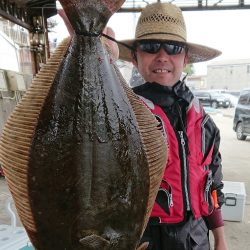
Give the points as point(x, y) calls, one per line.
point(236, 167)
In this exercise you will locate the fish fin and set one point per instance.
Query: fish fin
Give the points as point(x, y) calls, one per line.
point(88, 16)
point(94, 241)
point(16, 139)
point(143, 246)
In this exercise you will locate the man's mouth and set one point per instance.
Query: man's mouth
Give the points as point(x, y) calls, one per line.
point(161, 71)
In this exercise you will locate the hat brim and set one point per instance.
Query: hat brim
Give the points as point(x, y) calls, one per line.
point(196, 52)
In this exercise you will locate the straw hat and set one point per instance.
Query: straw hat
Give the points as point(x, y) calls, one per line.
point(164, 21)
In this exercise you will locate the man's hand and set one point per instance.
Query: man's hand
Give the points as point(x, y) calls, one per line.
point(219, 239)
point(111, 46)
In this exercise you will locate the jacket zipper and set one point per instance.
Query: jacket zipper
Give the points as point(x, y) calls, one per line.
point(185, 170)
point(169, 194)
point(170, 200)
point(208, 186)
point(203, 132)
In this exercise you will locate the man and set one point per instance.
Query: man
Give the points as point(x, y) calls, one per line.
point(189, 199)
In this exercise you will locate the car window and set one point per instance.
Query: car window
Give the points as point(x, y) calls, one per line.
point(201, 94)
point(244, 98)
point(216, 95)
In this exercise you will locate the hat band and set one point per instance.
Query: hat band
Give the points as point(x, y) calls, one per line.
point(161, 33)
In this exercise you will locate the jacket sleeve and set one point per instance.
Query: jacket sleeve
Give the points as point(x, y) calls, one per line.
point(216, 167)
point(215, 219)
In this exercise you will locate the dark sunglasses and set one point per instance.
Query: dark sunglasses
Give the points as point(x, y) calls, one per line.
point(154, 47)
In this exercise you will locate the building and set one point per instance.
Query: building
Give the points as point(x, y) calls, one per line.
point(24, 47)
point(197, 81)
point(229, 74)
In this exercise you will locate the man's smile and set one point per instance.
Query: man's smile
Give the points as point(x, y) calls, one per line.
point(161, 71)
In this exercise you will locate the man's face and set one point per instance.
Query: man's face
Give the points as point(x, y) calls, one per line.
point(160, 67)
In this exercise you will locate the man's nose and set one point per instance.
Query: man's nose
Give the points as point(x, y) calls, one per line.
point(162, 55)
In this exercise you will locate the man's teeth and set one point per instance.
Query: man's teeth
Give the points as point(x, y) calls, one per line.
point(161, 71)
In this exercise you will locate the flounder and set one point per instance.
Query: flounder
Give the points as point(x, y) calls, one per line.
point(82, 155)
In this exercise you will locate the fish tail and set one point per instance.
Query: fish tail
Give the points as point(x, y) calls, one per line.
point(90, 16)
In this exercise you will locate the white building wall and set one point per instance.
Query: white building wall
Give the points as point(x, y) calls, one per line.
point(8, 56)
point(232, 76)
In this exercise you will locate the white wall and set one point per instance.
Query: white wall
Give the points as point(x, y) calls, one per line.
point(8, 56)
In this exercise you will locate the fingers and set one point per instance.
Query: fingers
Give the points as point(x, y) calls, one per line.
point(112, 46)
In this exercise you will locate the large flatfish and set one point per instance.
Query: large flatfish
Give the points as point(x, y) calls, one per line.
point(83, 157)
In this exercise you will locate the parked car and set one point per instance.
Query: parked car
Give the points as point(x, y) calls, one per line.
point(232, 98)
point(241, 123)
point(232, 95)
point(212, 99)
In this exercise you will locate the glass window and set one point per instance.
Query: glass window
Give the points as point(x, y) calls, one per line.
point(248, 69)
point(15, 47)
point(244, 97)
point(202, 94)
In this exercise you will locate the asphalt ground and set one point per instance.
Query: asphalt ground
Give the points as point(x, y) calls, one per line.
point(236, 168)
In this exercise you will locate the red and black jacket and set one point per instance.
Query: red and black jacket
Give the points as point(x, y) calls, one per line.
point(193, 169)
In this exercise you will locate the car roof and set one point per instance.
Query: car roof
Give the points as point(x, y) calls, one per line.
point(244, 90)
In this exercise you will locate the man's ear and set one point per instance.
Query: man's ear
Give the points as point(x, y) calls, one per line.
point(186, 60)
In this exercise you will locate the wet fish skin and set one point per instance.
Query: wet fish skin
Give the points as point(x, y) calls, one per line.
point(84, 177)
point(105, 180)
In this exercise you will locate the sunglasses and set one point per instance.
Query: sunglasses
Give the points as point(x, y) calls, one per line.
point(154, 47)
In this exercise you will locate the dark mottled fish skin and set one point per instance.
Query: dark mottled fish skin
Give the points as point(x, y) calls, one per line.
point(74, 153)
point(88, 156)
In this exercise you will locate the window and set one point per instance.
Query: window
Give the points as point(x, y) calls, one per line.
point(15, 47)
point(248, 69)
point(203, 95)
point(244, 97)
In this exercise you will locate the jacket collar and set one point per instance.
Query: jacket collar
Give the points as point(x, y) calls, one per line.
point(165, 96)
